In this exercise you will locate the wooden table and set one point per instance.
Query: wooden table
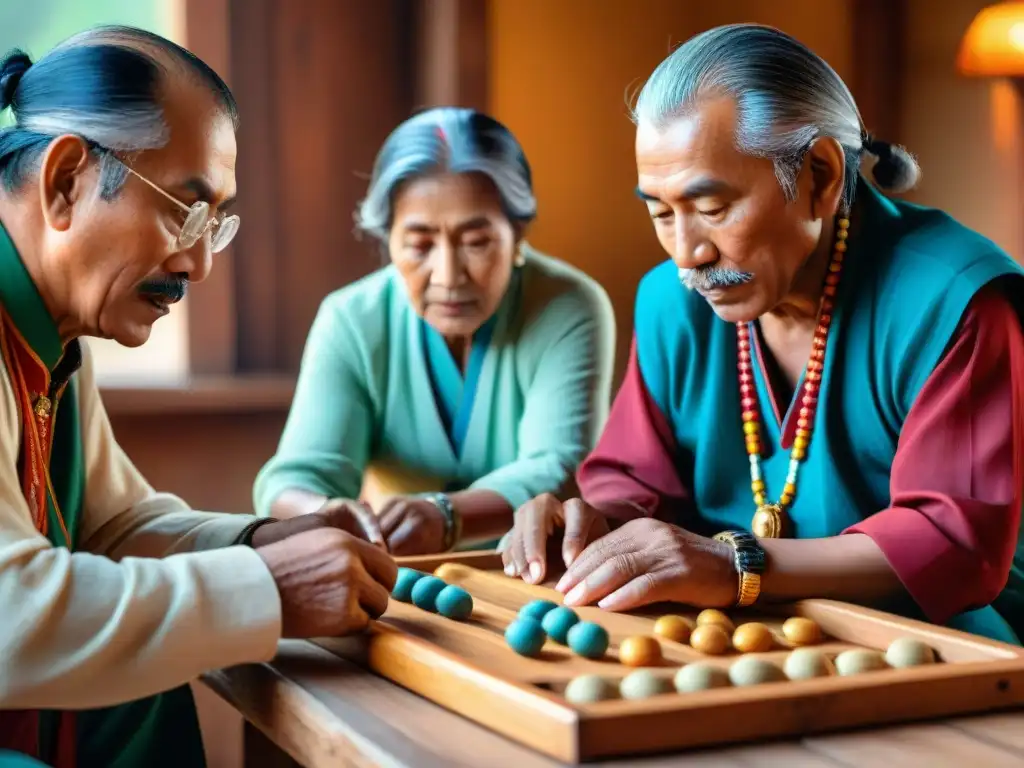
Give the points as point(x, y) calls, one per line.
point(325, 712)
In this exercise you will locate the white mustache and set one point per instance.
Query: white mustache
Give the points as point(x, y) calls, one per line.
point(709, 278)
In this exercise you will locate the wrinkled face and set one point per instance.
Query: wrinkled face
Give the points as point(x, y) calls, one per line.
point(454, 247)
point(118, 261)
point(721, 214)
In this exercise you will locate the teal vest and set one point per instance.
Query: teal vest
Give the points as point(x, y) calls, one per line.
point(907, 280)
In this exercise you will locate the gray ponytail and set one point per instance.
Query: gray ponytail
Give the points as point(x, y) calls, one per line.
point(786, 95)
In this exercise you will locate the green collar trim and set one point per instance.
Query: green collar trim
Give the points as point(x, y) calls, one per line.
point(20, 298)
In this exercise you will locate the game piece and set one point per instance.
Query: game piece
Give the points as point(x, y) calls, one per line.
point(454, 602)
point(640, 651)
point(859, 660)
point(674, 628)
point(525, 637)
point(801, 631)
point(558, 622)
point(752, 637)
point(404, 582)
point(537, 609)
point(643, 684)
point(587, 688)
point(425, 592)
point(711, 639)
point(908, 652)
point(713, 616)
point(700, 677)
point(806, 663)
point(752, 670)
point(588, 639)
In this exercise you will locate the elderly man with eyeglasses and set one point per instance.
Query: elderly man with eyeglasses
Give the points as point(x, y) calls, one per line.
point(115, 177)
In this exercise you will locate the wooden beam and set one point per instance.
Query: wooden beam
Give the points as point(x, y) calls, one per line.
point(879, 41)
point(256, 282)
point(211, 315)
point(452, 53)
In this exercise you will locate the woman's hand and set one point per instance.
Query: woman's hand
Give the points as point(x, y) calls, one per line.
point(649, 561)
point(412, 526)
point(523, 550)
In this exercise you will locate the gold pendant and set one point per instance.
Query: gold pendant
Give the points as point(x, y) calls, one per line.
point(43, 406)
point(768, 522)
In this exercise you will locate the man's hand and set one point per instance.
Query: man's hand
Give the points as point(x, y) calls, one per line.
point(412, 526)
point(330, 582)
point(347, 515)
point(524, 548)
point(649, 561)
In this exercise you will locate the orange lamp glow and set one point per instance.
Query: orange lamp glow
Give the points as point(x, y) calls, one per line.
point(994, 43)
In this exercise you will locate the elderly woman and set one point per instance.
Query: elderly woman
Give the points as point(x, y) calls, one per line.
point(472, 365)
point(825, 392)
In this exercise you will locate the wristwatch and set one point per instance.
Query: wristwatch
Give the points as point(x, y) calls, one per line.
point(244, 537)
point(452, 521)
point(750, 564)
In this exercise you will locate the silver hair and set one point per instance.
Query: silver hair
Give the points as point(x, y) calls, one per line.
point(125, 130)
point(453, 140)
point(107, 95)
point(786, 97)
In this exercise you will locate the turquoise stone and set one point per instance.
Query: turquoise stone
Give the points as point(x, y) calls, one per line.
point(558, 622)
point(454, 603)
point(425, 592)
point(525, 637)
point(404, 583)
point(537, 609)
point(588, 639)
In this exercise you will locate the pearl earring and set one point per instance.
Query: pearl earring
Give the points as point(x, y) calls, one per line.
point(520, 259)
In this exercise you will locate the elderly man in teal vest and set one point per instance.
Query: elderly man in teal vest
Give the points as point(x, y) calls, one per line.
point(824, 396)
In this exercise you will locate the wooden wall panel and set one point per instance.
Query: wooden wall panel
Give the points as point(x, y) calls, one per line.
point(256, 280)
point(451, 53)
point(878, 46)
point(320, 84)
point(212, 337)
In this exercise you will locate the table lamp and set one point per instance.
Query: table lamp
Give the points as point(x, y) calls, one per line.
point(993, 45)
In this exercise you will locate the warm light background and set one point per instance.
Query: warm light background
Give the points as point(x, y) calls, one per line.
point(558, 72)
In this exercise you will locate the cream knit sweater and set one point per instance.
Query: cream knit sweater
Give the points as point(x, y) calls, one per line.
point(154, 596)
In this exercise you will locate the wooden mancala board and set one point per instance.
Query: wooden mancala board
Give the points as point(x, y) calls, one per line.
point(468, 668)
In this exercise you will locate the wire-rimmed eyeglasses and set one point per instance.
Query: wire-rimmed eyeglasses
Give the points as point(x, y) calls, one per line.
point(198, 220)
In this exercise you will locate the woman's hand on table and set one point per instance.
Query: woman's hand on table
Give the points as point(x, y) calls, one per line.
point(524, 549)
point(412, 526)
point(649, 561)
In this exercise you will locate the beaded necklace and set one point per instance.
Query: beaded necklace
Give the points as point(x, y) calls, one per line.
point(770, 519)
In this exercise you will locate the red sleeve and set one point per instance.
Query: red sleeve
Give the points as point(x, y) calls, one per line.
point(955, 489)
point(635, 459)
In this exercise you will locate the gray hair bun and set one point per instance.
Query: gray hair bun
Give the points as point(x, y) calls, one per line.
point(895, 169)
point(12, 67)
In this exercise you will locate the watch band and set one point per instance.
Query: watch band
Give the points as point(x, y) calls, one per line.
point(750, 564)
point(244, 537)
point(453, 523)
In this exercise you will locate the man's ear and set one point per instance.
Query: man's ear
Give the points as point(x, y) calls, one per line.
point(62, 179)
point(827, 162)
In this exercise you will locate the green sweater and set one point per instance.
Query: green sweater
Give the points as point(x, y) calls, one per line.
point(365, 390)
